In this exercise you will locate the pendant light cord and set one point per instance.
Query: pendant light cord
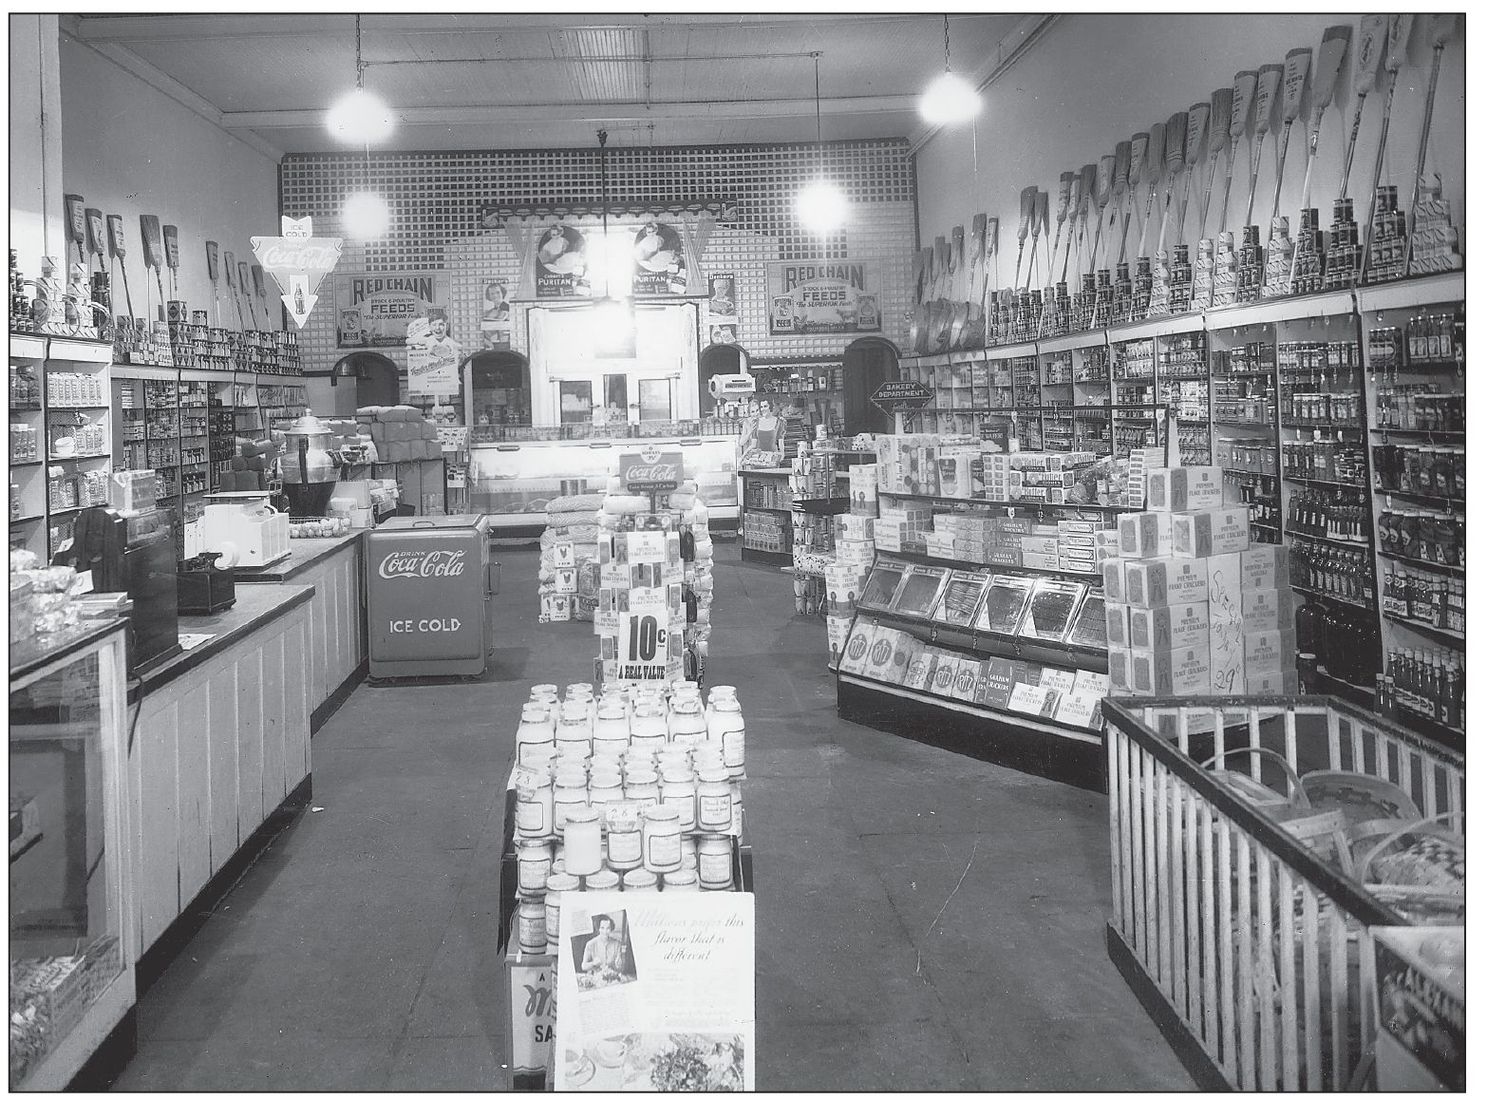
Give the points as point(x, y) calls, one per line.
point(947, 41)
point(604, 199)
point(360, 66)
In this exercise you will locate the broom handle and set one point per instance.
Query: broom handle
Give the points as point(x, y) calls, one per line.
point(1280, 168)
point(1347, 157)
point(1435, 75)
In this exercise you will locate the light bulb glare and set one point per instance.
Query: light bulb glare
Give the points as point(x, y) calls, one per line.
point(365, 216)
point(948, 100)
point(821, 206)
point(359, 118)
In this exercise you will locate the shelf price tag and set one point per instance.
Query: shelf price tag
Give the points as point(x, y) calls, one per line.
point(643, 646)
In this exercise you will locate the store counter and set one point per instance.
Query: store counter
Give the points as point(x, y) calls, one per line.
point(337, 640)
point(218, 743)
point(513, 482)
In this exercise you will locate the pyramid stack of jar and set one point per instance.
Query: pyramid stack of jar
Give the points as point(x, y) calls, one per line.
point(637, 789)
point(655, 559)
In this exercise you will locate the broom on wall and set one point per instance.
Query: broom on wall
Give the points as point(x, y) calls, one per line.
point(1156, 154)
point(1241, 126)
point(1118, 186)
point(1174, 151)
point(1136, 157)
point(1267, 102)
point(1373, 37)
point(1439, 253)
point(1083, 303)
point(1196, 138)
point(1331, 56)
point(1026, 202)
point(1104, 188)
point(1220, 107)
point(1294, 85)
point(1395, 49)
point(1076, 208)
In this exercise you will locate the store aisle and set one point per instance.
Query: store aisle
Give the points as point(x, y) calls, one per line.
point(926, 921)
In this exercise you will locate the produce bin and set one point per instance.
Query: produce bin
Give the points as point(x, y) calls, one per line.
point(429, 584)
point(1242, 834)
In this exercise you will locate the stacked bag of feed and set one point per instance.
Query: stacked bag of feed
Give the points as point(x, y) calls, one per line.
point(249, 472)
point(400, 433)
point(569, 559)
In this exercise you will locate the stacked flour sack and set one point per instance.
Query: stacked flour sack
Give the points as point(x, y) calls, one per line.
point(655, 573)
point(566, 586)
point(851, 558)
point(637, 789)
point(1192, 608)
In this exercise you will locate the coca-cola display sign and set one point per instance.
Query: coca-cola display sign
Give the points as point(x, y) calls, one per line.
point(651, 470)
point(421, 564)
point(298, 260)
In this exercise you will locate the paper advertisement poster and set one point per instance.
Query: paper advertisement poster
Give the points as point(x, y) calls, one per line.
point(722, 299)
point(495, 316)
point(660, 261)
point(433, 356)
point(655, 992)
point(374, 309)
point(562, 263)
point(531, 1015)
point(823, 296)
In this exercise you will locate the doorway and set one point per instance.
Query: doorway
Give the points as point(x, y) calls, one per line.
point(866, 364)
point(500, 393)
point(718, 358)
point(376, 377)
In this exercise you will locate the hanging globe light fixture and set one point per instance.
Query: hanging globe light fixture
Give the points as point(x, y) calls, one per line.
point(359, 117)
point(821, 205)
point(949, 99)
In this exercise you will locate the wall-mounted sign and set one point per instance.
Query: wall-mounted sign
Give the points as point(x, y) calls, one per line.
point(811, 297)
point(433, 356)
point(660, 261)
point(495, 316)
point(562, 263)
point(374, 308)
point(298, 260)
point(894, 397)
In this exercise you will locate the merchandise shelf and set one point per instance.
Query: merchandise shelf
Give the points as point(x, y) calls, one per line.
point(1420, 562)
point(1440, 633)
point(1323, 483)
point(1327, 539)
point(1450, 502)
point(1094, 579)
point(1329, 596)
point(1109, 509)
point(984, 643)
point(763, 556)
point(1449, 286)
point(1013, 717)
point(1423, 433)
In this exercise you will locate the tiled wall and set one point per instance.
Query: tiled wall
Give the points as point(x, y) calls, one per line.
point(436, 200)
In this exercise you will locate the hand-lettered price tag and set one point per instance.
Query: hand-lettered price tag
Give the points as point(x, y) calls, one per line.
point(643, 646)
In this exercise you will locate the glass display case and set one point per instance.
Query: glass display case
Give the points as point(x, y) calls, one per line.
point(512, 482)
point(71, 977)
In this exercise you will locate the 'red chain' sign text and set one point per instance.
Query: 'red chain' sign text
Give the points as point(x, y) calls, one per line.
point(651, 470)
point(418, 564)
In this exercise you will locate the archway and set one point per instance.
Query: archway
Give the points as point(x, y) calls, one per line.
point(376, 377)
point(866, 364)
point(500, 390)
point(718, 358)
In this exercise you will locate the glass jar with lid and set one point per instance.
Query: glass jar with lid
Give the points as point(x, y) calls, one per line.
point(545, 692)
point(582, 851)
point(641, 881)
point(605, 787)
point(715, 862)
point(533, 865)
point(714, 801)
point(574, 723)
point(534, 803)
point(647, 726)
point(679, 792)
point(687, 725)
point(531, 927)
point(623, 839)
point(662, 839)
point(611, 728)
point(642, 788)
point(570, 788)
point(605, 881)
point(557, 885)
point(683, 880)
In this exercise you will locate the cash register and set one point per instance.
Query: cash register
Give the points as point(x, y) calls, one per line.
point(244, 529)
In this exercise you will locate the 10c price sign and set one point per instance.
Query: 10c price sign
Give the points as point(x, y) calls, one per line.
point(643, 645)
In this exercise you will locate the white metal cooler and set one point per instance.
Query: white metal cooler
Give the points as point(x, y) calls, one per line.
point(429, 586)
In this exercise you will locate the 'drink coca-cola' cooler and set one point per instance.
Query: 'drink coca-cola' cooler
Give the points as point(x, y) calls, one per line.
point(429, 587)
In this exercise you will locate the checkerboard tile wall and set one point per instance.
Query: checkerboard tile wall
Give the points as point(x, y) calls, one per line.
point(436, 200)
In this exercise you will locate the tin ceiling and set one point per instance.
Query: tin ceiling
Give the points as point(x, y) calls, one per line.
point(469, 81)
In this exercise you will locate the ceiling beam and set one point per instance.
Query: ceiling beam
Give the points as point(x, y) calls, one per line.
point(166, 28)
point(587, 112)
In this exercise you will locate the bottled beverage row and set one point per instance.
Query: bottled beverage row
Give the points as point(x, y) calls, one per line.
point(1340, 571)
point(1059, 369)
point(1247, 400)
point(1246, 455)
point(1321, 459)
point(1305, 407)
point(1324, 514)
point(1344, 639)
point(1433, 536)
point(1256, 357)
point(1425, 470)
point(1318, 358)
point(1419, 407)
point(1186, 353)
point(1430, 598)
point(1429, 682)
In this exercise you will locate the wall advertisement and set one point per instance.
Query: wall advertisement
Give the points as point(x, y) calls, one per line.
point(809, 297)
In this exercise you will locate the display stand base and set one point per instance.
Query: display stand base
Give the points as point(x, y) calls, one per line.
point(1022, 748)
point(1189, 1050)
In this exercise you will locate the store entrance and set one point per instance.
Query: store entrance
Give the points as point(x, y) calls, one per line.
point(866, 364)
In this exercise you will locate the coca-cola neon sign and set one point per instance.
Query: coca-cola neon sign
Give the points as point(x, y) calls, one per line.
point(421, 564)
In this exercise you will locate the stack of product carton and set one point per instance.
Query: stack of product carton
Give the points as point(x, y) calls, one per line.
point(1191, 607)
point(902, 529)
point(846, 576)
point(400, 433)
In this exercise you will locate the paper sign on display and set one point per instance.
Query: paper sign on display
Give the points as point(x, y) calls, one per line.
point(823, 296)
point(375, 309)
point(651, 470)
point(657, 992)
point(532, 1015)
point(297, 260)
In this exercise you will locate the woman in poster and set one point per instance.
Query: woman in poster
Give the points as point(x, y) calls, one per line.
point(561, 251)
point(496, 308)
point(657, 247)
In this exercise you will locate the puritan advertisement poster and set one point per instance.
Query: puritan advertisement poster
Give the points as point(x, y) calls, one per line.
point(562, 263)
point(375, 309)
point(660, 261)
point(655, 992)
point(823, 296)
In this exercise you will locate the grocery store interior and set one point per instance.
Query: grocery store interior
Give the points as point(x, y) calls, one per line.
point(737, 551)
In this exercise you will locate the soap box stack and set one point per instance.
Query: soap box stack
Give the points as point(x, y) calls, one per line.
point(846, 575)
point(1191, 607)
point(400, 433)
point(903, 529)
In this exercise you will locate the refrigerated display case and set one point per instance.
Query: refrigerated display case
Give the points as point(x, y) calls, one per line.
point(71, 979)
point(512, 482)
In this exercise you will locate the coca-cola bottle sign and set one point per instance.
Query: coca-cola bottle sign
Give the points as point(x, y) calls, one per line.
point(421, 564)
point(652, 469)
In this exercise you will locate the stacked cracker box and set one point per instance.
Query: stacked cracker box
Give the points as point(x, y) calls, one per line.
point(846, 574)
point(1191, 607)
